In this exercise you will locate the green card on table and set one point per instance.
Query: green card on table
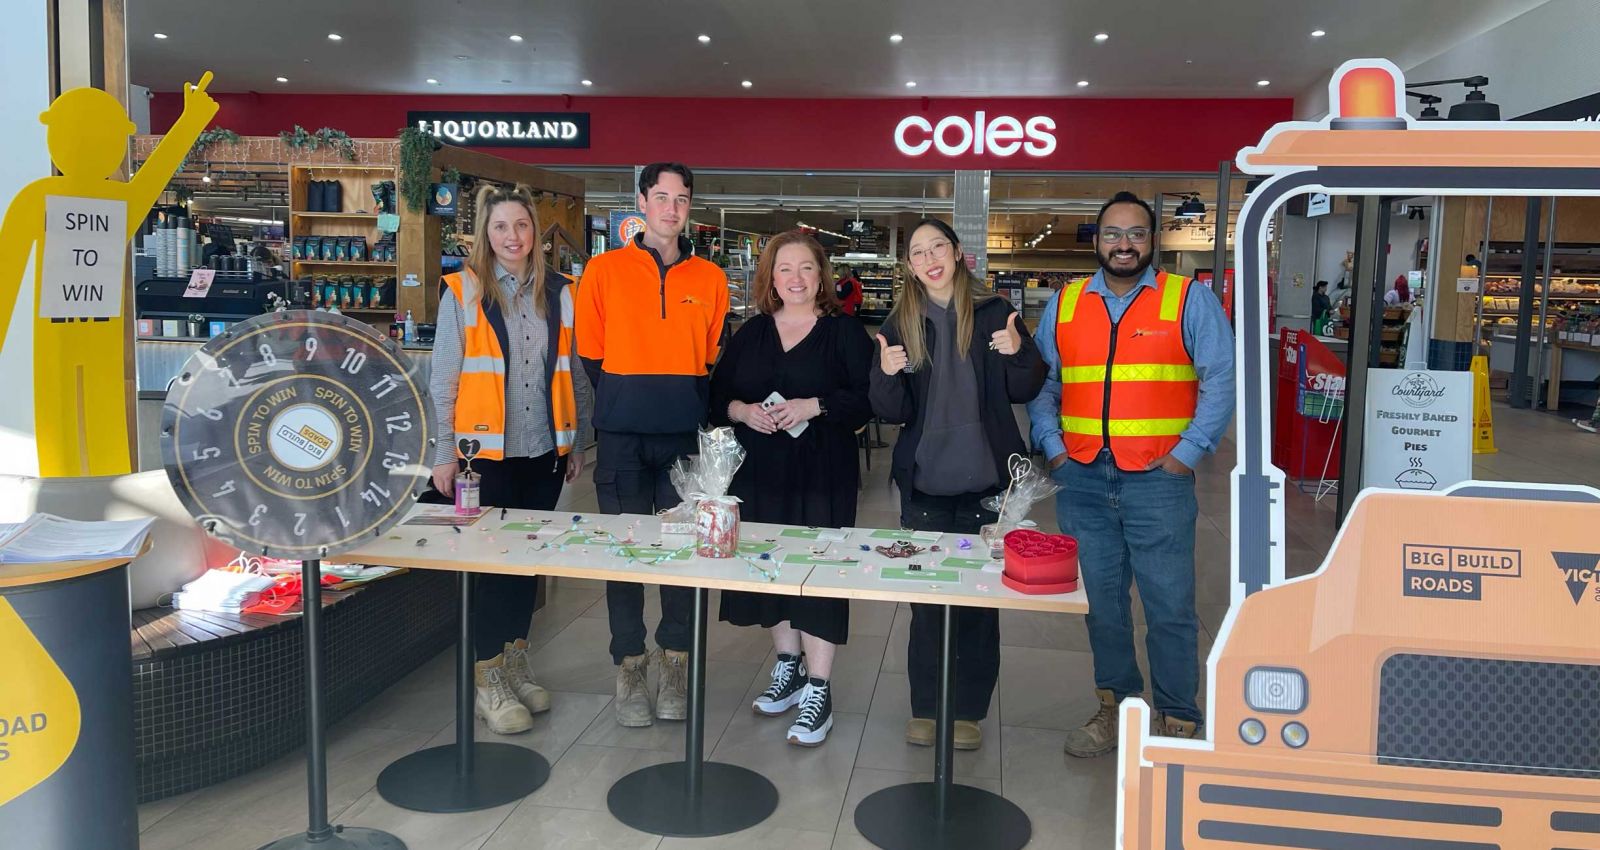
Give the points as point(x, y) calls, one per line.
point(964, 563)
point(656, 553)
point(906, 534)
point(901, 573)
point(814, 561)
point(525, 526)
point(755, 547)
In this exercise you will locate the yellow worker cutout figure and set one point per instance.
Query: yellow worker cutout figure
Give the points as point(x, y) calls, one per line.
point(76, 226)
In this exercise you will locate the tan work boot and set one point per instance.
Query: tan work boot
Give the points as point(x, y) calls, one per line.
point(633, 698)
point(919, 732)
point(520, 675)
point(1172, 727)
point(968, 735)
point(495, 702)
point(1098, 736)
point(672, 695)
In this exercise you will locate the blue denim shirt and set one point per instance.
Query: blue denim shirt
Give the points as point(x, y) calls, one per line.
point(1205, 333)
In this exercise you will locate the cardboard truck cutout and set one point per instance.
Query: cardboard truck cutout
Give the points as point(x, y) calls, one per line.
point(1435, 685)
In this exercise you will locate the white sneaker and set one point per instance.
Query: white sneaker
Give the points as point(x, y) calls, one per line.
point(811, 728)
point(495, 702)
point(520, 674)
point(1586, 424)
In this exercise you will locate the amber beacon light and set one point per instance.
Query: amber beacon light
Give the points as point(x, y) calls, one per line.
point(1369, 99)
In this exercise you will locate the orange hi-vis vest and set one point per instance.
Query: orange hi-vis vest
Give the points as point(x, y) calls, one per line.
point(1131, 383)
point(481, 393)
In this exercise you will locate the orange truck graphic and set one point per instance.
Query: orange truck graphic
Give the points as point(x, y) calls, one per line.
point(1435, 685)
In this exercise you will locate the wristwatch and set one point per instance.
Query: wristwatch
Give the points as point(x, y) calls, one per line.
point(822, 409)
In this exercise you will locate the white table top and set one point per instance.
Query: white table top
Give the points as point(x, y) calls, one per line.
point(797, 565)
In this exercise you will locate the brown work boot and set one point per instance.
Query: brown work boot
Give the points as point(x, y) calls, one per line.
point(1098, 736)
point(919, 732)
point(520, 674)
point(672, 697)
point(969, 736)
point(1172, 727)
point(494, 700)
point(633, 698)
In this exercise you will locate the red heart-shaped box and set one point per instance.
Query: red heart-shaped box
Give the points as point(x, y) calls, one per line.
point(1038, 563)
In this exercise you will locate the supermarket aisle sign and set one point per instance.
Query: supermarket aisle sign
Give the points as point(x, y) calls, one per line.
point(1419, 429)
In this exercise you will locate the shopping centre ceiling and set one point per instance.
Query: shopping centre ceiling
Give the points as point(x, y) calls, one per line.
point(810, 48)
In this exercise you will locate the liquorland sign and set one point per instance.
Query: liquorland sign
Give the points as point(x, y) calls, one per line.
point(505, 129)
point(980, 135)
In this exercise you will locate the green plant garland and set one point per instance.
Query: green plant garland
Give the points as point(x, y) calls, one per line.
point(302, 139)
point(416, 165)
point(205, 140)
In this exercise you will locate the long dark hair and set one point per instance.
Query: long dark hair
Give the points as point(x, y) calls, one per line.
point(966, 291)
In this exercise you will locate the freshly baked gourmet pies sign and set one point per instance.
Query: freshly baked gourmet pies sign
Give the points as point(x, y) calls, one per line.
point(505, 129)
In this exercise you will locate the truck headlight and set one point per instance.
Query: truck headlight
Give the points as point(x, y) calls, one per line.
point(1275, 689)
point(1252, 731)
point(1295, 735)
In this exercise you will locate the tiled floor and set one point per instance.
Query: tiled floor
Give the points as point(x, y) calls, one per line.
point(1046, 687)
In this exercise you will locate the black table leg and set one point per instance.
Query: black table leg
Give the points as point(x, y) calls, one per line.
point(942, 814)
point(466, 776)
point(319, 835)
point(693, 798)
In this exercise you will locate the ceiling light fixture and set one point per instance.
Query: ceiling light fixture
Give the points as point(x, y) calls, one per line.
point(1192, 207)
point(896, 38)
point(516, 38)
point(704, 39)
point(333, 36)
point(1263, 83)
point(1082, 83)
point(1101, 37)
point(588, 82)
point(283, 79)
point(746, 83)
point(911, 84)
point(161, 35)
point(432, 81)
point(1318, 33)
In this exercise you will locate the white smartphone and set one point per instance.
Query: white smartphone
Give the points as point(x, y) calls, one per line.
point(776, 399)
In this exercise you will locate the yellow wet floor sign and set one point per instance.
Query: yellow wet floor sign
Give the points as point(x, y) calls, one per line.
point(1482, 414)
point(39, 713)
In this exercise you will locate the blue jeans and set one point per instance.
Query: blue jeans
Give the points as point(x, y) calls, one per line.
point(1136, 526)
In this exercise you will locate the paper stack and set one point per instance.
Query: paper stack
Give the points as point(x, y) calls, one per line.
point(45, 537)
point(221, 591)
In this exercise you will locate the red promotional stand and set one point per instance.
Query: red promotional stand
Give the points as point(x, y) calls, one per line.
point(1310, 406)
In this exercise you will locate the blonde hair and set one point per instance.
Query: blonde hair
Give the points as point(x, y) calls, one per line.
point(481, 260)
point(966, 292)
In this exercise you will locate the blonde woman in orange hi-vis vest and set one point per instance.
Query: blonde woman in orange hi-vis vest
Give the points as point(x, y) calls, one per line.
point(1139, 390)
point(506, 396)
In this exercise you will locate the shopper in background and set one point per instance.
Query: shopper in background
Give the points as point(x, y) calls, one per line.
point(1321, 305)
point(849, 292)
point(952, 360)
point(801, 348)
point(650, 315)
point(500, 375)
point(1140, 389)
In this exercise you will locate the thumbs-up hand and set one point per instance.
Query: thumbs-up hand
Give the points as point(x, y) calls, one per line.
point(891, 358)
point(1008, 340)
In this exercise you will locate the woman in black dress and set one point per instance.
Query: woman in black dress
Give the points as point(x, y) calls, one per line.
point(804, 350)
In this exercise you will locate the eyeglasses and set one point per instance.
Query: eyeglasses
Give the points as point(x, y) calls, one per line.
point(1136, 235)
point(935, 251)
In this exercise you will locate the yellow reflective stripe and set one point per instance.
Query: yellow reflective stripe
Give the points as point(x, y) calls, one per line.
point(1069, 300)
point(1172, 287)
point(1124, 427)
point(1128, 372)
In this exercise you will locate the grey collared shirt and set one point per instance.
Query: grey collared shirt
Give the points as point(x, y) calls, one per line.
point(527, 389)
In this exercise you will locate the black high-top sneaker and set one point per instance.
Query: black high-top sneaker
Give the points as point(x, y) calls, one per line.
point(810, 729)
point(788, 679)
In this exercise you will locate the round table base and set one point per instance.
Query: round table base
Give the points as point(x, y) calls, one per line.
point(343, 838)
point(655, 800)
point(427, 780)
point(905, 817)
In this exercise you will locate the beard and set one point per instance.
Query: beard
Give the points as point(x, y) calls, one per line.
point(1138, 268)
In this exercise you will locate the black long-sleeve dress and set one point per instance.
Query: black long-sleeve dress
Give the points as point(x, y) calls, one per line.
point(805, 480)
